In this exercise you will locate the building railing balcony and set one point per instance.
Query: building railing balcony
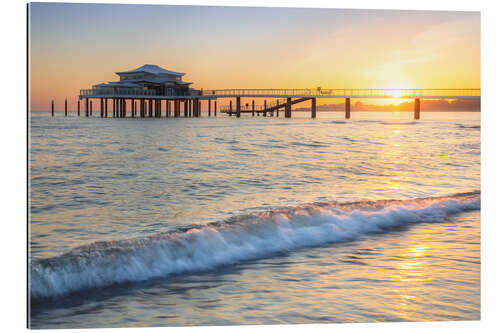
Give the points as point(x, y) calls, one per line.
point(128, 92)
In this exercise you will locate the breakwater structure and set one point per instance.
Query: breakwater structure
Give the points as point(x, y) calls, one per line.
point(149, 89)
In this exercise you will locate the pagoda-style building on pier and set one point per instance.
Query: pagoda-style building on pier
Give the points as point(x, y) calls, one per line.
point(149, 79)
point(145, 89)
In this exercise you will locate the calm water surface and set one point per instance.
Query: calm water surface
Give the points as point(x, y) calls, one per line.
point(212, 221)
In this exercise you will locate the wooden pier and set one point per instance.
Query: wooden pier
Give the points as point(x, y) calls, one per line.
point(143, 104)
point(158, 91)
point(135, 104)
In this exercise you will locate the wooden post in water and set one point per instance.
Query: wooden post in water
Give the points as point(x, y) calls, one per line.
point(52, 108)
point(238, 107)
point(102, 108)
point(91, 108)
point(215, 108)
point(190, 108)
point(288, 108)
point(106, 108)
point(313, 107)
point(86, 107)
point(348, 108)
point(177, 109)
point(277, 108)
point(150, 108)
point(209, 107)
point(199, 108)
point(253, 107)
point(78, 107)
point(66, 107)
point(265, 106)
point(141, 106)
point(114, 107)
point(416, 112)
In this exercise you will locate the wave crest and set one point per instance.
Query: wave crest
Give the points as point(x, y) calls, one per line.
point(241, 238)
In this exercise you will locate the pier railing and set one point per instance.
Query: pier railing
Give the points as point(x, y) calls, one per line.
point(337, 93)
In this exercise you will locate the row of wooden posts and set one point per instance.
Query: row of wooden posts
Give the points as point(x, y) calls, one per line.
point(192, 107)
point(147, 107)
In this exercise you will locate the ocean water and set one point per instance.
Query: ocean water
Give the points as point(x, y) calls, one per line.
point(223, 221)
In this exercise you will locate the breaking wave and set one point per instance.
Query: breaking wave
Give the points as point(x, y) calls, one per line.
point(241, 238)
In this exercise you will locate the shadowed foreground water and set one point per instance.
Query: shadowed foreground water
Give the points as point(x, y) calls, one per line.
point(163, 222)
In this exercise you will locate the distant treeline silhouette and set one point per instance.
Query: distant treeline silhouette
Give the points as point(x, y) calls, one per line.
point(426, 105)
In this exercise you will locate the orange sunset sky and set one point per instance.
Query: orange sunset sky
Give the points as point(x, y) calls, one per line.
point(73, 46)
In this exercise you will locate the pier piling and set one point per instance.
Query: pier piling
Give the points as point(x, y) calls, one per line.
point(215, 108)
point(91, 108)
point(66, 107)
point(106, 107)
point(288, 108)
point(416, 112)
point(238, 107)
point(253, 107)
point(177, 111)
point(348, 108)
point(102, 108)
point(78, 108)
point(313, 108)
point(86, 107)
point(52, 108)
point(209, 108)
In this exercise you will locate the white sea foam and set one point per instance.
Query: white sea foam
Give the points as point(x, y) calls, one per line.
point(243, 238)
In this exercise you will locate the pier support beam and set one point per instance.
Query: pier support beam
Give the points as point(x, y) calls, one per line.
point(313, 107)
point(416, 112)
point(265, 106)
point(288, 108)
point(106, 107)
point(114, 107)
point(132, 107)
point(141, 106)
point(78, 108)
point(215, 108)
point(238, 107)
point(177, 109)
point(253, 107)
point(190, 107)
point(91, 108)
point(348, 108)
point(86, 107)
point(150, 107)
point(230, 107)
point(124, 108)
point(52, 108)
point(209, 107)
point(186, 111)
point(102, 108)
point(65, 107)
point(277, 108)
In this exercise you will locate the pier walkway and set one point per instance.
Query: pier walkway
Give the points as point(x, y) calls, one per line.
point(148, 103)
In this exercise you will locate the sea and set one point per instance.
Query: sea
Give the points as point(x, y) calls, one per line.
point(256, 220)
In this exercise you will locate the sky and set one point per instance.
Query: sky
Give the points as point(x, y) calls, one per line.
point(73, 46)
